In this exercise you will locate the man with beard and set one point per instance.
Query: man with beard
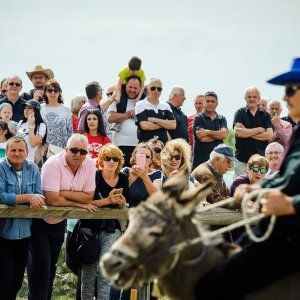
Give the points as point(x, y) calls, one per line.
point(38, 77)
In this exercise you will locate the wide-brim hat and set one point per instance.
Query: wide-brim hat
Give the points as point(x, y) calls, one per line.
point(292, 76)
point(40, 70)
point(226, 151)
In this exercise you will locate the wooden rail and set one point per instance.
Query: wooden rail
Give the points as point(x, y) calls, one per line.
point(215, 216)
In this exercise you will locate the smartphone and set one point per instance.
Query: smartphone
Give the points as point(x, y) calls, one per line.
point(118, 191)
point(141, 160)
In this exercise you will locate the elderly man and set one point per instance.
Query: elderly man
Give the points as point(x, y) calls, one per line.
point(282, 129)
point(263, 103)
point(210, 129)
point(3, 88)
point(123, 114)
point(274, 154)
point(94, 94)
point(154, 118)
point(20, 183)
point(14, 87)
point(38, 77)
point(280, 252)
point(213, 170)
point(199, 102)
point(176, 100)
point(253, 130)
point(68, 179)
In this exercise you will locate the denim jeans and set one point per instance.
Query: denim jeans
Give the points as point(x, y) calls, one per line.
point(91, 274)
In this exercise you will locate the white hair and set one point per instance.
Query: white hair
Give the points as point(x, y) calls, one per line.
point(274, 144)
point(75, 102)
point(152, 80)
point(274, 101)
point(175, 90)
point(78, 138)
point(214, 155)
point(251, 89)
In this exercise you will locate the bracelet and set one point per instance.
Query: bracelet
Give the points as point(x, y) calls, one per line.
point(111, 100)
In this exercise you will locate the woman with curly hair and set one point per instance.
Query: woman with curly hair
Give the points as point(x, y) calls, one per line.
point(175, 157)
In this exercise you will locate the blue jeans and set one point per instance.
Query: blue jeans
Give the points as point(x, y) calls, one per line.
point(91, 274)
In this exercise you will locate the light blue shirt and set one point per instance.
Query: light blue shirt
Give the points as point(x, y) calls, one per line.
point(14, 229)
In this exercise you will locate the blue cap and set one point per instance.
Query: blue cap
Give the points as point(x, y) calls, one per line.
point(226, 151)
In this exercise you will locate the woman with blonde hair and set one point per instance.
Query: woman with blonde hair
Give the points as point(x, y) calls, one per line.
point(175, 157)
point(111, 191)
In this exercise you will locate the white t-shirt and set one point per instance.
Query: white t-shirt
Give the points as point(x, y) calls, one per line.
point(127, 136)
point(23, 131)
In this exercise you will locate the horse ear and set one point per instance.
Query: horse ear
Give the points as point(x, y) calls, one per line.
point(176, 185)
point(189, 199)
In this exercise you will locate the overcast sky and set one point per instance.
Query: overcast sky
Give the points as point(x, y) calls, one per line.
point(224, 46)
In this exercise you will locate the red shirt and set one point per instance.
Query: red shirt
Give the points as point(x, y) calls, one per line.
point(75, 122)
point(95, 143)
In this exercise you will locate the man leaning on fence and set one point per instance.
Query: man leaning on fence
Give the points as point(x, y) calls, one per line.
point(20, 183)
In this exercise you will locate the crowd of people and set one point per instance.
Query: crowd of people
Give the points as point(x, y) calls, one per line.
point(115, 151)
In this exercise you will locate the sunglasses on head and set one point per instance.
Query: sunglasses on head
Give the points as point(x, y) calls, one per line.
point(261, 170)
point(291, 90)
point(107, 158)
point(55, 91)
point(75, 150)
point(153, 88)
point(157, 150)
point(176, 157)
point(109, 94)
point(15, 84)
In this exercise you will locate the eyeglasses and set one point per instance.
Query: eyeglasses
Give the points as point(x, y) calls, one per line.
point(109, 94)
point(107, 158)
point(158, 88)
point(274, 153)
point(3, 91)
point(157, 150)
point(75, 150)
point(291, 90)
point(176, 156)
point(50, 91)
point(256, 170)
point(15, 84)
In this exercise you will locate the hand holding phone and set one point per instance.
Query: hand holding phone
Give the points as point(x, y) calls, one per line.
point(141, 160)
point(118, 191)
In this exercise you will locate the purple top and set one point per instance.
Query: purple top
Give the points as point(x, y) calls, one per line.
point(90, 104)
point(239, 180)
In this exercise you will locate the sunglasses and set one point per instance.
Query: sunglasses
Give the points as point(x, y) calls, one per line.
point(158, 88)
point(75, 150)
point(15, 84)
point(107, 158)
point(291, 90)
point(157, 150)
point(109, 94)
point(177, 157)
point(50, 91)
point(256, 170)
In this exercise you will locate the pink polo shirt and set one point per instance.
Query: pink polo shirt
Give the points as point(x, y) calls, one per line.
point(57, 176)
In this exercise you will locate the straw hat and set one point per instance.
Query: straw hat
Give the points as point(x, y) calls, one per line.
point(40, 70)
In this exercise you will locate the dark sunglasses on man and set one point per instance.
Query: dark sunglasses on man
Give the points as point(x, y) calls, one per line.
point(75, 150)
point(291, 90)
point(153, 88)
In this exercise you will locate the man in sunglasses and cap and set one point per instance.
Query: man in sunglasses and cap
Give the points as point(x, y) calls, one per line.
point(39, 76)
point(261, 264)
point(14, 87)
point(68, 179)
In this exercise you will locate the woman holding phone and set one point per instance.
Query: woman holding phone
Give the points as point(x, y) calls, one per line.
point(111, 191)
point(32, 128)
point(175, 157)
point(140, 175)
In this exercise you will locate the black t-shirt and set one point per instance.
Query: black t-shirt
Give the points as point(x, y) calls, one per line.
point(18, 108)
point(181, 130)
point(102, 191)
point(245, 147)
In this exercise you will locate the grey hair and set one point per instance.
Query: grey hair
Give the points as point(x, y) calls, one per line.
point(198, 96)
point(154, 80)
point(75, 102)
point(78, 138)
point(251, 89)
point(14, 76)
point(274, 144)
point(274, 101)
point(175, 90)
point(214, 155)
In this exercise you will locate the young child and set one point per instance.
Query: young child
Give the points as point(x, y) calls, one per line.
point(6, 113)
point(133, 68)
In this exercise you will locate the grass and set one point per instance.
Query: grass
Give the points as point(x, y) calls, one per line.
point(64, 283)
